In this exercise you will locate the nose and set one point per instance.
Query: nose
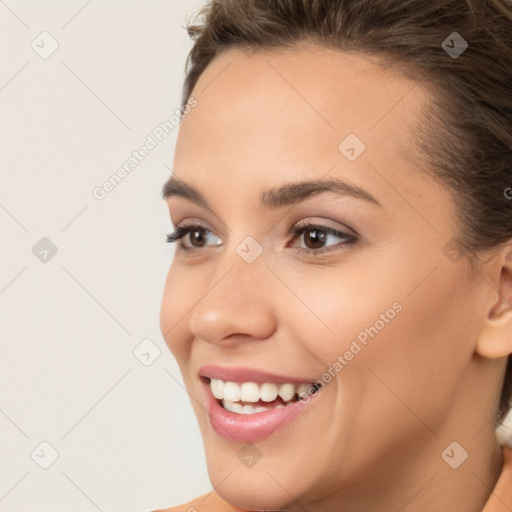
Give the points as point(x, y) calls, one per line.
point(236, 304)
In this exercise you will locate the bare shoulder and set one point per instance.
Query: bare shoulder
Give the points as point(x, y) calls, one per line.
point(211, 502)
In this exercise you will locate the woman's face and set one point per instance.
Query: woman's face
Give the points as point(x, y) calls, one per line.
point(386, 317)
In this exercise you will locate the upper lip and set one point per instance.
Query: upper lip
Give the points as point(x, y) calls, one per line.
point(246, 374)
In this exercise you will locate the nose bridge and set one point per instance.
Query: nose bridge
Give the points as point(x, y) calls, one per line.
point(247, 262)
point(237, 299)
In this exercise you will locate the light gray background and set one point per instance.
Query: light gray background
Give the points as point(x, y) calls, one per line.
point(125, 433)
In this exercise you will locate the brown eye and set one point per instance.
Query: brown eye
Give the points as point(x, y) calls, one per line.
point(197, 237)
point(314, 238)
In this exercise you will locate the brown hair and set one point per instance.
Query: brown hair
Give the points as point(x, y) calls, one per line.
point(466, 133)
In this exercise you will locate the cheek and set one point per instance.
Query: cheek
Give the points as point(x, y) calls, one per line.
point(339, 310)
point(413, 366)
point(177, 299)
point(437, 332)
point(417, 338)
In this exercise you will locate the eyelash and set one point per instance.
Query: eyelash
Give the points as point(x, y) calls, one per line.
point(297, 230)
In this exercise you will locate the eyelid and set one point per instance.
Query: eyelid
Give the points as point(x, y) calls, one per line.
point(182, 230)
point(300, 228)
point(297, 230)
point(308, 223)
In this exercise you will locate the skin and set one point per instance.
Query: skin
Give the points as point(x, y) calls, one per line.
point(431, 375)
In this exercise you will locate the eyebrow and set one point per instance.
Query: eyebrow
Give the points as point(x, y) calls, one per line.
point(278, 197)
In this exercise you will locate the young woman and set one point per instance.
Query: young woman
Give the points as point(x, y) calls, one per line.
point(340, 300)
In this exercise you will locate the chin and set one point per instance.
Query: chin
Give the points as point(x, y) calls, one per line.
point(255, 497)
point(259, 488)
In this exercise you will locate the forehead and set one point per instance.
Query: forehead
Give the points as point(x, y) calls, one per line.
point(337, 90)
point(280, 116)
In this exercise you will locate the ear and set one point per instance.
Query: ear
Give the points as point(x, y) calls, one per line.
point(495, 339)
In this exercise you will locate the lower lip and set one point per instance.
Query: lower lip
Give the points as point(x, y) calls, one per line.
point(253, 427)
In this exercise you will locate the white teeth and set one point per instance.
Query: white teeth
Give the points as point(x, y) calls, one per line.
point(245, 409)
point(248, 409)
point(249, 392)
point(236, 407)
point(233, 392)
point(268, 392)
point(227, 405)
point(217, 387)
point(287, 392)
point(302, 390)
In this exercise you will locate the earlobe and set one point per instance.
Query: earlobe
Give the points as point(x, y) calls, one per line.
point(495, 339)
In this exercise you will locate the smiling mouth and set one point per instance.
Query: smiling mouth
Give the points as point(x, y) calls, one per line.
point(253, 398)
